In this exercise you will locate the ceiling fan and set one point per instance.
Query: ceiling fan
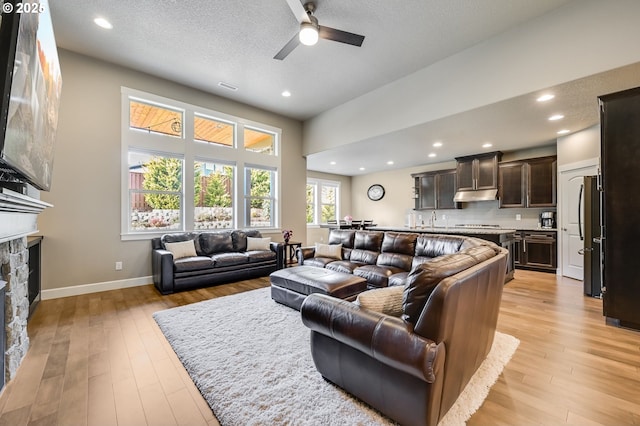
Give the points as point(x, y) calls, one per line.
point(310, 30)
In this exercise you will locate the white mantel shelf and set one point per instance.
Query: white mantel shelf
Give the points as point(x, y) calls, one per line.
point(18, 214)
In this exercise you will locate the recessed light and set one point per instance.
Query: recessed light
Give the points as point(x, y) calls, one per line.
point(390, 162)
point(433, 154)
point(286, 93)
point(564, 131)
point(437, 144)
point(545, 97)
point(487, 145)
point(333, 163)
point(103, 23)
point(361, 168)
point(556, 117)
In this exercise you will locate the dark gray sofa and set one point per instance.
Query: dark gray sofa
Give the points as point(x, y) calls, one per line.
point(221, 256)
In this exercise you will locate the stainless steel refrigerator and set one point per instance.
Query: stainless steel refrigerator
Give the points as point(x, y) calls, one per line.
point(620, 179)
point(589, 228)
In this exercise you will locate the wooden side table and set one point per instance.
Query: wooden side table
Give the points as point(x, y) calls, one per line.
point(290, 247)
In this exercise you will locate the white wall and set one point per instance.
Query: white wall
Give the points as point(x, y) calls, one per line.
point(579, 146)
point(82, 231)
point(581, 39)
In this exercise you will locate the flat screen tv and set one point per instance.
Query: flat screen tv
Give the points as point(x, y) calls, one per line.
point(30, 86)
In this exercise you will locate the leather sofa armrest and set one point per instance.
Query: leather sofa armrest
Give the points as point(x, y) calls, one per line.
point(162, 269)
point(303, 253)
point(384, 338)
point(278, 248)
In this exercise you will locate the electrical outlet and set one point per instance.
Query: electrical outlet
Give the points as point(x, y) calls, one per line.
point(444, 217)
point(118, 266)
point(518, 217)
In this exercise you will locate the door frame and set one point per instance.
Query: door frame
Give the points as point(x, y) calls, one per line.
point(570, 167)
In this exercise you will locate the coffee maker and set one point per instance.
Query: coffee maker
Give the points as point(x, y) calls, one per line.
point(548, 219)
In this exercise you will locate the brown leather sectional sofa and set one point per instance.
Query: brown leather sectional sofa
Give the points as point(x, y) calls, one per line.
point(414, 366)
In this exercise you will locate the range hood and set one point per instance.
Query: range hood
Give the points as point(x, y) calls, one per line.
point(476, 195)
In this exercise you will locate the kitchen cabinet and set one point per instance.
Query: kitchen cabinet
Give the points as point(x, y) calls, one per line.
point(435, 190)
point(528, 183)
point(536, 250)
point(478, 172)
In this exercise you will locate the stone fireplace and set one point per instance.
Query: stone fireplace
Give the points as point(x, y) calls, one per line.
point(18, 219)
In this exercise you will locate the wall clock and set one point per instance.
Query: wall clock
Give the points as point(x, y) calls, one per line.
point(375, 192)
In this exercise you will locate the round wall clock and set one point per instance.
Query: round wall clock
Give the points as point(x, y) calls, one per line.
point(375, 192)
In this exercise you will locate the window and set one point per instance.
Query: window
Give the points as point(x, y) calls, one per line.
point(213, 195)
point(259, 197)
point(213, 131)
point(188, 168)
point(155, 119)
point(155, 192)
point(322, 201)
point(259, 141)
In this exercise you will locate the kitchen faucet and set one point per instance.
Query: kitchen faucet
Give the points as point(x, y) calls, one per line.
point(433, 218)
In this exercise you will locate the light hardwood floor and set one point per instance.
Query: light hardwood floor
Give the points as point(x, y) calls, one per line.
point(100, 359)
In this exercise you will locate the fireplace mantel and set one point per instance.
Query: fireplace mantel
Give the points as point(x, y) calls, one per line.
point(18, 214)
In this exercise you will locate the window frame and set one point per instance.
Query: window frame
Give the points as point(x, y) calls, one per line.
point(317, 211)
point(192, 150)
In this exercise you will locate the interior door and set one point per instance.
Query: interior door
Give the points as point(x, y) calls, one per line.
point(572, 198)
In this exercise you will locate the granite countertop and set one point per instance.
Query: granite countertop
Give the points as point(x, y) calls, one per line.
point(533, 228)
point(446, 230)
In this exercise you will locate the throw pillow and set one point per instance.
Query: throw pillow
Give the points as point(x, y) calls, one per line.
point(387, 300)
point(258, 243)
point(332, 251)
point(181, 249)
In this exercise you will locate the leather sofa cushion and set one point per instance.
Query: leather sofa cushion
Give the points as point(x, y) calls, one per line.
point(397, 260)
point(175, 238)
point(239, 237)
point(401, 243)
point(345, 266)
point(422, 280)
point(342, 236)
point(209, 243)
point(368, 240)
point(376, 276)
point(398, 280)
point(438, 245)
point(259, 255)
point(195, 263)
point(318, 262)
point(363, 256)
point(229, 259)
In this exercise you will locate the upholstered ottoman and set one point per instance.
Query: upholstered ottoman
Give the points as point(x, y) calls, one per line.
point(290, 286)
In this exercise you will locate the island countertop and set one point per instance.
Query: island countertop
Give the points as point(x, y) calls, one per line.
point(447, 230)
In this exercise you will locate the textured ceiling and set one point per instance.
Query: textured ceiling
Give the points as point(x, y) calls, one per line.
point(202, 42)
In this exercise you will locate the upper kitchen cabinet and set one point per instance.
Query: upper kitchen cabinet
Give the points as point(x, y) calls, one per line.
point(528, 183)
point(478, 172)
point(435, 190)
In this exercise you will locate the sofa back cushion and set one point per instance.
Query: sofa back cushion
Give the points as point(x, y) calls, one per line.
point(176, 238)
point(437, 245)
point(209, 243)
point(425, 277)
point(342, 236)
point(239, 237)
point(402, 261)
point(363, 256)
point(368, 240)
point(399, 242)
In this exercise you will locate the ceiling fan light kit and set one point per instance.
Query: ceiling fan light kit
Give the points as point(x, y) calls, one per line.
point(310, 31)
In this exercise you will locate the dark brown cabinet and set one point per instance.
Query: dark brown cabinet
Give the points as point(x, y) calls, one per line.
point(478, 171)
point(435, 190)
point(528, 183)
point(536, 250)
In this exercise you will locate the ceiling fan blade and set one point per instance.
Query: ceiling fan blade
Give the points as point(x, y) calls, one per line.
point(298, 11)
point(288, 48)
point(342, 36)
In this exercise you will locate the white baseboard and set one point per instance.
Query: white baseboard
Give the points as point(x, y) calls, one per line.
point(77, 290)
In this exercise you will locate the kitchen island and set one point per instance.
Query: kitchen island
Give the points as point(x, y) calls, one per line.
point(503, 237)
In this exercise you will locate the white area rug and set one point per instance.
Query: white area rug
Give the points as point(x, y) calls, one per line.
point(251, 360)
